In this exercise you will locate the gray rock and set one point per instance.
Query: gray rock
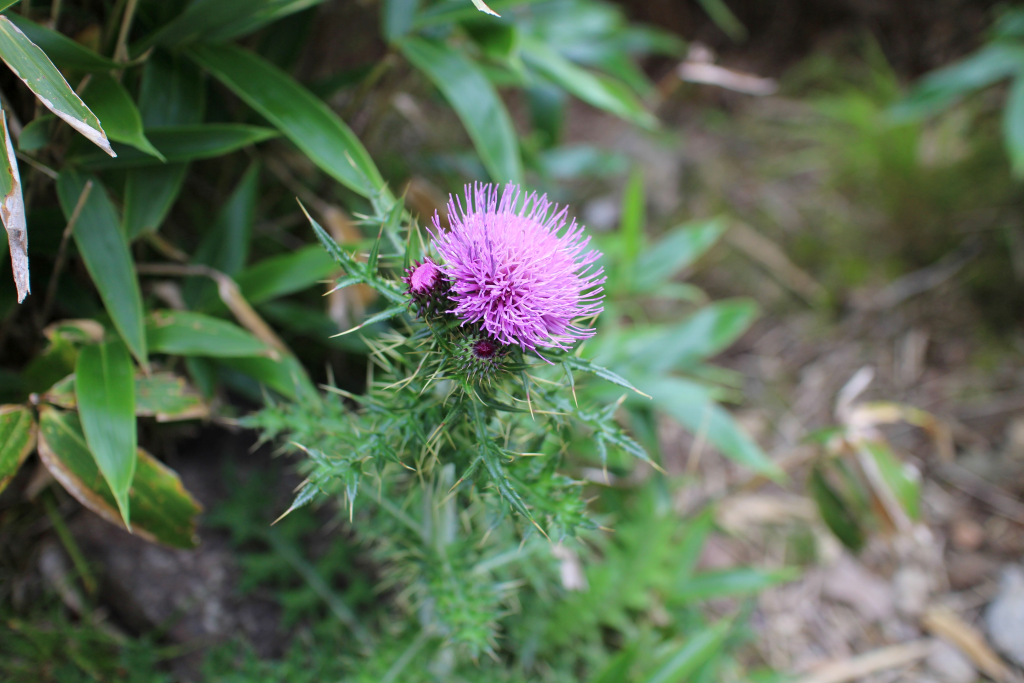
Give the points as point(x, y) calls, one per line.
point(1004, 617)
point(949, 665)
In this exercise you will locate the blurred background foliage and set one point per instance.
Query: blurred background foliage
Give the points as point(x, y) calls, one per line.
point(179, 283)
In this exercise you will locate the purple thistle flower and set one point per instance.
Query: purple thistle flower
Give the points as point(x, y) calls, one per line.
point(522, 273)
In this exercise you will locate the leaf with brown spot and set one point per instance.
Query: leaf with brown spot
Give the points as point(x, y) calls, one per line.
point(17, 440)
point(31, 65)
point(162, 395)
point(162, 510)
point(12, 211)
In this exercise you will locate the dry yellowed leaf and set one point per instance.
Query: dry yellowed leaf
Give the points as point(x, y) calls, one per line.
point(12, 211)
point(346, 307)
point(482, 6)
point(868, 663)
point(947, 624)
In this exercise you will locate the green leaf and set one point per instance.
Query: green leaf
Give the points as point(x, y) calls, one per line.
point(172, 92)
point(617, 670)
point(105, 390)
point(183, 143)
point(731, 583)
point(691, 405)
point(217, 21)
point(17, 440)
point(691, 545)
point(498, 42)
point(311, 323)
point(149, 194)
point(258, 14)
point(583, 365)
point(285, 274)
point(1010, 24)
point(32, 66)
point(619, 438)
point(386, 314)
point(286, 376)
point(104, 250)
point(168, 398)
point(162, 395)
point(942, 87)
point(162, 510)
point(184, 333)
point(691, 655)
point(63, 51)
point(1013, 126)
point(596, 90)
point(4, 4)
point(203, 372)
point(297, 113)
point(709, 331)
point(198, 18)
point(838, 515)
point(476, 102)
point(58, 359)
point(725, 19)
point(121, 119)
point(12, 212)
point(62, 393)
point(226, 244)
point(631, 227)
point(396, 17)
point(572, 162)
point(659, 348)
point(903, 481)
point(36, 133)
point(678, 249)
point(491, 457)
point(446, 13)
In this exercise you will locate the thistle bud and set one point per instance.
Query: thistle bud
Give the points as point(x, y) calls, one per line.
point(480, 357)
point(428, 287)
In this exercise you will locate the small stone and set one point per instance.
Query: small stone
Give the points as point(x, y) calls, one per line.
point(966, 534)
point(1004, 617)
point(949, 665)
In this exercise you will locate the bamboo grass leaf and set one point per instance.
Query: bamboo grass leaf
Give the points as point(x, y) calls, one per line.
point(31, 65)
point(105, 390)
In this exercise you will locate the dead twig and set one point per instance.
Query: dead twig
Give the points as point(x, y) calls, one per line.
point(759, 248)
point(946, 624)
point(58, 265)
point(920, 281)
point(229, 293)
point(868, 663)
point(996, 498)
point(121, 50)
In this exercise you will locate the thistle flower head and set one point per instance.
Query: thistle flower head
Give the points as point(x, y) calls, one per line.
point(519, 268)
